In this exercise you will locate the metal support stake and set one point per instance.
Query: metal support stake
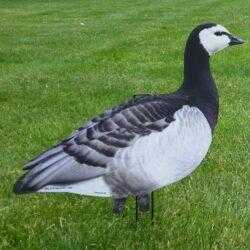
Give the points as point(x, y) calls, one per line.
point(136, 208)
point(152, 206)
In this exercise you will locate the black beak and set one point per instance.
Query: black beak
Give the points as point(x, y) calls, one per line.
point(235, 40)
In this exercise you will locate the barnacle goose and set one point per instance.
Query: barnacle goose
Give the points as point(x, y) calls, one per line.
point(144, 144)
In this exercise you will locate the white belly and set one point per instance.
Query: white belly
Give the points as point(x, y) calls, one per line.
point(168, 156)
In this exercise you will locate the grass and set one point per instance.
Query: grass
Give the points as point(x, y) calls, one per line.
point(62, 62)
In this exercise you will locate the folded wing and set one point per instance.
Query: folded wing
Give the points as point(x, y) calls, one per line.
point(89, 151)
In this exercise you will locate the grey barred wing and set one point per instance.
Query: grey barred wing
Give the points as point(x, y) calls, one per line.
point(97, 144)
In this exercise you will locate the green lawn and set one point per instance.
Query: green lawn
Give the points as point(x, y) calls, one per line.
point(62, 62)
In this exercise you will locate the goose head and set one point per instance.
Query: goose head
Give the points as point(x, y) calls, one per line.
point(212, 38)
point(216, 38)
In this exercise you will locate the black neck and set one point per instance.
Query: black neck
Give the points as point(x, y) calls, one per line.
point(197, 74)
point(198, 82)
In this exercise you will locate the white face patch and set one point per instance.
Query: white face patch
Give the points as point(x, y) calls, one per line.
point(213, 43)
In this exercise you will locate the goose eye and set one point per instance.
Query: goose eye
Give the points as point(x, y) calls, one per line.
point(218, 33)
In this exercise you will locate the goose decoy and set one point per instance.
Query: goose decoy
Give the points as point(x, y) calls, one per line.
point(142, 145)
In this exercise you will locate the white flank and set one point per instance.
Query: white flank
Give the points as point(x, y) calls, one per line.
point(94, 187)
point(168, 156)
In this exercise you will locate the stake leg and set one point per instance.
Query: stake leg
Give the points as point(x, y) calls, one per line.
point(152, 206)
point(136, 208)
